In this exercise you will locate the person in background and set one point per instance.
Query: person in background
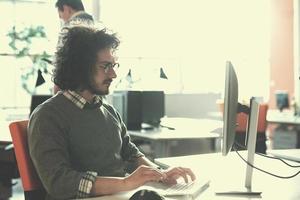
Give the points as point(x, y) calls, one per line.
point(72, 13)
point(78, 143)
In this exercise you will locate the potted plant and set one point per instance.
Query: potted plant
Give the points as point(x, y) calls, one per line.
point(21, 42)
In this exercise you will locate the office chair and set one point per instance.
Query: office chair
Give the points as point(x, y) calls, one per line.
point(32, 185)
point(241, 128)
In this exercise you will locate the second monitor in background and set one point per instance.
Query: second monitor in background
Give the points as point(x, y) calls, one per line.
point(37, 100)
point(282, 100)
point(153, 107)
point(139, 108)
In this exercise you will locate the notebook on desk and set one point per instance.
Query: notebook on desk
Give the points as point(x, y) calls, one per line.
point(192, 189)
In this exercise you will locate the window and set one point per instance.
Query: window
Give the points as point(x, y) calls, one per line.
point(25, 13)
point(193, 39)
point(190, 40)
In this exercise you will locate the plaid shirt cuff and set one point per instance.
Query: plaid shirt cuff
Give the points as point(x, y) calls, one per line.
point(85, 184)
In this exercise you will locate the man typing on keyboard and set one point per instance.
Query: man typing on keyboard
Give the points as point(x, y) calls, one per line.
point(78, 143)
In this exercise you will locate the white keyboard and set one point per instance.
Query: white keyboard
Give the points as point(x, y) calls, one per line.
point(192, 189)
point(179, 189)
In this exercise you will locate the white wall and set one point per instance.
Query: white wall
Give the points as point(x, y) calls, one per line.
point(198, 105)
point(191, 105)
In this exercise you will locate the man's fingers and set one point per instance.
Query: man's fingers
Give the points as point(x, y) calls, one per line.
point(190, 173)
point(181, 172)
point(152, 174)
point(170, 181)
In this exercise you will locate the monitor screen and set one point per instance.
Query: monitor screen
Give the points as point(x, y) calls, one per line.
point(282, 99)
point(140, 107)
point(128, 104)
point(230, 108)
point(153, 107)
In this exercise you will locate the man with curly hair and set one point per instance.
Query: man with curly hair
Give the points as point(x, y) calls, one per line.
point(72, 13)
point(78, 143)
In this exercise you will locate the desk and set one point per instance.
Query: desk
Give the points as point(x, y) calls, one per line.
point(4, 132)
point(227, 172)
point(185, 130)
point(6, 117)
point(287, 133)
point(289, 154)
point(286, 117)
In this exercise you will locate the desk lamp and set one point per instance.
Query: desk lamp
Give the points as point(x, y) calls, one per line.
point(162, 74)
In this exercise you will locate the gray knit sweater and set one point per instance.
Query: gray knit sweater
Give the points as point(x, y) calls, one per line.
point(65, 142)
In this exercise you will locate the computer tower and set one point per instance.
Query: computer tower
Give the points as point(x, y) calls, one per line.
point(128, 104)
point(153, 107)
point(137, 107)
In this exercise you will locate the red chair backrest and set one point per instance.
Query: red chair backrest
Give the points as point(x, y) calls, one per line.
point(242, 118)
point(29, 177)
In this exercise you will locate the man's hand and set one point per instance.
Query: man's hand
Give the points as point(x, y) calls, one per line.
point(142, 175)
point(174, 173)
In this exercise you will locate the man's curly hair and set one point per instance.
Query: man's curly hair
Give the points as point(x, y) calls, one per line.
point(77, 57)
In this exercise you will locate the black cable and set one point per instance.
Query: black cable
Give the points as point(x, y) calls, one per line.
point(275, 158)
point(271, 157)
point(261, 170)
point(168, 127)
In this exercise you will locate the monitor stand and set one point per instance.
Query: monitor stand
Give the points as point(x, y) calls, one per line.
point(251, 143)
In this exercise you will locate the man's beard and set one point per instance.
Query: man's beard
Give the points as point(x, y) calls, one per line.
point(92, 87)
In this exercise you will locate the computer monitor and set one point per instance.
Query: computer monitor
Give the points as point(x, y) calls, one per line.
point(140, 107)
point(153, 107)
point(282, 100)
point(128, 104)
point(37, 100)
point(230, 108)
point(229, 125)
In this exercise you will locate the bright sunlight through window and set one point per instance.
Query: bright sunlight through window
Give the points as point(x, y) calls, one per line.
point(191, 40)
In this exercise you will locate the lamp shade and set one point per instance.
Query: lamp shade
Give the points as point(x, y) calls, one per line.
point(162, 74)
point(40, 79)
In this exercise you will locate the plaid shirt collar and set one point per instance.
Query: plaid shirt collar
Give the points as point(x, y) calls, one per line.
point(80, 102)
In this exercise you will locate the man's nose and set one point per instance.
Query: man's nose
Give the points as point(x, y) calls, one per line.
point(112, 73)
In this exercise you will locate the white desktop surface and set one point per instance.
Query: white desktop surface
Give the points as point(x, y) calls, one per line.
point(184, 129)
point(6, 117)
point(229, 172)
point(285, 117)
point(290, 154)
point(4, 132)
point(202, 130)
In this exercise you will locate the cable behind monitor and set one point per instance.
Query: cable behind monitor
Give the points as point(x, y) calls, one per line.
point(264, 155)
point(261, 170)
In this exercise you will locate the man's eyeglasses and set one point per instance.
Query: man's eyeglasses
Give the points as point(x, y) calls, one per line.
point(108, 65)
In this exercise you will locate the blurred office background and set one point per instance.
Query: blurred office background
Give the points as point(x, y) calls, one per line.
point(189, 40)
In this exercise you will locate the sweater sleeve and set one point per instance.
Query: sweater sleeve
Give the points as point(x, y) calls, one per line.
point(129, 150)
point(48, 147)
